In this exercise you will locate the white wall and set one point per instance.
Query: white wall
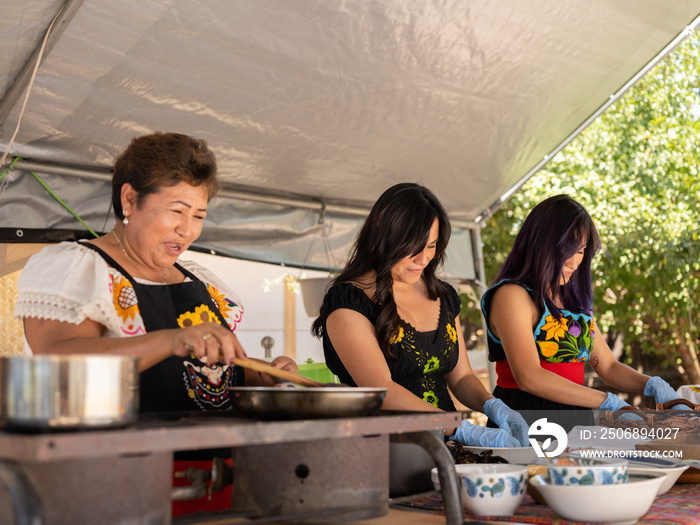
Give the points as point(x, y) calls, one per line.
point(264, 311)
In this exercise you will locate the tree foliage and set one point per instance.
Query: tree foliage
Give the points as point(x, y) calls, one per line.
point(635, 169)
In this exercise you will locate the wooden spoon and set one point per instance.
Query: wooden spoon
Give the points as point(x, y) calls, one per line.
point(259, 366)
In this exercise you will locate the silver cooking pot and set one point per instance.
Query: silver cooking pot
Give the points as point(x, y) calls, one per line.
point(307, 403)
point(57, 392)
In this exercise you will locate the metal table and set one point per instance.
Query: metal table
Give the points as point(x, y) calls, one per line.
point(125, 475)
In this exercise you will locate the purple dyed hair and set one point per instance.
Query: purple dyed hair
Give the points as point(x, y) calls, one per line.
point(551, 234)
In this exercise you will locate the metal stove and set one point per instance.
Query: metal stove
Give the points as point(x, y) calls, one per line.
point(308, 471)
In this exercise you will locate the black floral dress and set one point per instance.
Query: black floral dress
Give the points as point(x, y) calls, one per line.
point(423, 359)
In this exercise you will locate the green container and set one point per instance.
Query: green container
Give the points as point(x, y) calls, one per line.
point(317, 371)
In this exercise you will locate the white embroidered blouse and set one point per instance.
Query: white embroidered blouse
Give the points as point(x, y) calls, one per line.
point(68, 282)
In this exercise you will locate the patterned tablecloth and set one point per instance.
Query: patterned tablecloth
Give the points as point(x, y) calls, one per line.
point(679, 506)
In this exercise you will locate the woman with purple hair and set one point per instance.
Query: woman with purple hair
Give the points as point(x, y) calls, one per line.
point(541, 330)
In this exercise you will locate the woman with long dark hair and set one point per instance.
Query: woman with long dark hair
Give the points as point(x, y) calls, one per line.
point(541, 329)
point(389, 321)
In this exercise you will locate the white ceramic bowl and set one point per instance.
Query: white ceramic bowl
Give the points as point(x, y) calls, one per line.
point(435, 478)
point(622, 503)
point(672, 474)
point(492, 489)
point(513, 455)
point(569, 469)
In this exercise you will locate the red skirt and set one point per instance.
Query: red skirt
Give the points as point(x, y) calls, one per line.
point(572, 371)
point(219, 500)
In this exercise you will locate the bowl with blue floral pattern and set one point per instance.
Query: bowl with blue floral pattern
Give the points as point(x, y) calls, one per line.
point(576, 470)
point(492, 489)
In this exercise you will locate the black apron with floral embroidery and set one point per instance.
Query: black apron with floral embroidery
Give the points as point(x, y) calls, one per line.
point(423, 359)
point(178, 384)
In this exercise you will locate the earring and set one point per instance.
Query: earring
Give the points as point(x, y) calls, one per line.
point(125, 221)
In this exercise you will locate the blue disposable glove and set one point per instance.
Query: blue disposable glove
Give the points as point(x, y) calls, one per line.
point(662, 392)
point(508, 419)
point(612, 402)
point(478, 436)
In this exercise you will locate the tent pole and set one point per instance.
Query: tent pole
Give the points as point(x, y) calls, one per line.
point(22, 80)
point(67, 171)
point(232, 191)
point(290, 323)
point(480, 280)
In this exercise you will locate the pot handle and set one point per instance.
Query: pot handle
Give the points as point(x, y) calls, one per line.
point(26, 502)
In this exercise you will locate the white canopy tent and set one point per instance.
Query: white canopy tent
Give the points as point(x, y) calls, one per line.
point(313, 107)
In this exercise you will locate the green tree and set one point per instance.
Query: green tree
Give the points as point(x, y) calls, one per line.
point(635, 170)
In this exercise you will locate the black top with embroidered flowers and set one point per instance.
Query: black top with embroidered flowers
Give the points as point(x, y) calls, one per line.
point(423, 358)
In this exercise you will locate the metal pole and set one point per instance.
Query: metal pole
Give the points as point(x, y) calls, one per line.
point(449, 483)
point(20, 84)
point(480, 279)
point(232, 191)
point(26, 502)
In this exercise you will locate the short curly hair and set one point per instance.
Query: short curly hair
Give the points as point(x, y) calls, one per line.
point(158, 160)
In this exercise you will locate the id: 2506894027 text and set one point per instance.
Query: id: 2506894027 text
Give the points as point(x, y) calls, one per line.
point(629, 433)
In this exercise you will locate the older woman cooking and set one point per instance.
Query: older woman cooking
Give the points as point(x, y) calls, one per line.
point(128, 293)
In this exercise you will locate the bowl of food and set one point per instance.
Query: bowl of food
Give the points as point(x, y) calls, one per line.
point(489, 489)
point(621, 503)
point(569, 469)
point(469, 454)
point(513, 455)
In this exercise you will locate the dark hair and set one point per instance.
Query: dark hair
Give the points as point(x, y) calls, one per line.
point(551, 234)
point(398, 226)
point(159, 160)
